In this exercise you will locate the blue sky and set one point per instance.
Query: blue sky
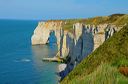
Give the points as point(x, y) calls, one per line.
point(60, 9)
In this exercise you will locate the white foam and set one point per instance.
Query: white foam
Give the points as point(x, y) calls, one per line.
point(23, 60)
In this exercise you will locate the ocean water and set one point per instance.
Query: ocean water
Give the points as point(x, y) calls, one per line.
point(21, 63)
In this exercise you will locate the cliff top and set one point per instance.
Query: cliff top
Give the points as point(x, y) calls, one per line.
point(115, 19)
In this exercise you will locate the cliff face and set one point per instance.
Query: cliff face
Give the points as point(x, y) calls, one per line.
point(114, 52)
point(75, 45)
point(42, 32)
point(86, 38)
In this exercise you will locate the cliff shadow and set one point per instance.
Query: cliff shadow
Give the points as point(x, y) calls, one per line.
point(84, 45)
point(109, 32)
point(87, 42)
point(61, 42)
point(79, 50)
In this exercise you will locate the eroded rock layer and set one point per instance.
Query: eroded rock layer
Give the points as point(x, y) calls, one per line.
point(42, 32)
point(75, 45)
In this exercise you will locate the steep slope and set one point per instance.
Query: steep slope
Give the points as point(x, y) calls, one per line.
point(113, 52)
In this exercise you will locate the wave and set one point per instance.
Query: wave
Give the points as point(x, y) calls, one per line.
point(23, 60)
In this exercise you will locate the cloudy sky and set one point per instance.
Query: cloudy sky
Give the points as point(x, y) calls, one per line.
point(60, 9)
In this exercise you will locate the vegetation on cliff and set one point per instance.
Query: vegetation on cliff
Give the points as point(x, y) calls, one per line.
point(115, 19)
point(103, 65)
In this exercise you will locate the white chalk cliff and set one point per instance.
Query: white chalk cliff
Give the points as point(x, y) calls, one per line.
point(75, 45)
point(42, 31)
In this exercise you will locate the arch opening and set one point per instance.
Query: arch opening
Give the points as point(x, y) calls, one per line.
point(52, 40)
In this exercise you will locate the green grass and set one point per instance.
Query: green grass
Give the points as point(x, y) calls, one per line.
point(121, 62)
point(104, 74)
point(122, 20)
point(114, 52)
point(69, 24)
point(116, 19)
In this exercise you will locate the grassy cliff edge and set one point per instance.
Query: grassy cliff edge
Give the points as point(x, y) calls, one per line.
point(105, 59)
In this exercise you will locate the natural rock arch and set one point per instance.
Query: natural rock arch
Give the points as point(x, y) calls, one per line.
point(42, 31)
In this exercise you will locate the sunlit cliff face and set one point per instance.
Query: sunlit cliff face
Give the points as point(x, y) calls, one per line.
point(42, 32)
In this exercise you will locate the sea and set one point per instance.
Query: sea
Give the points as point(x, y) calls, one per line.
point(20, 62)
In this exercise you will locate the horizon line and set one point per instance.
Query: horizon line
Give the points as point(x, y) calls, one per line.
point(58, 19)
